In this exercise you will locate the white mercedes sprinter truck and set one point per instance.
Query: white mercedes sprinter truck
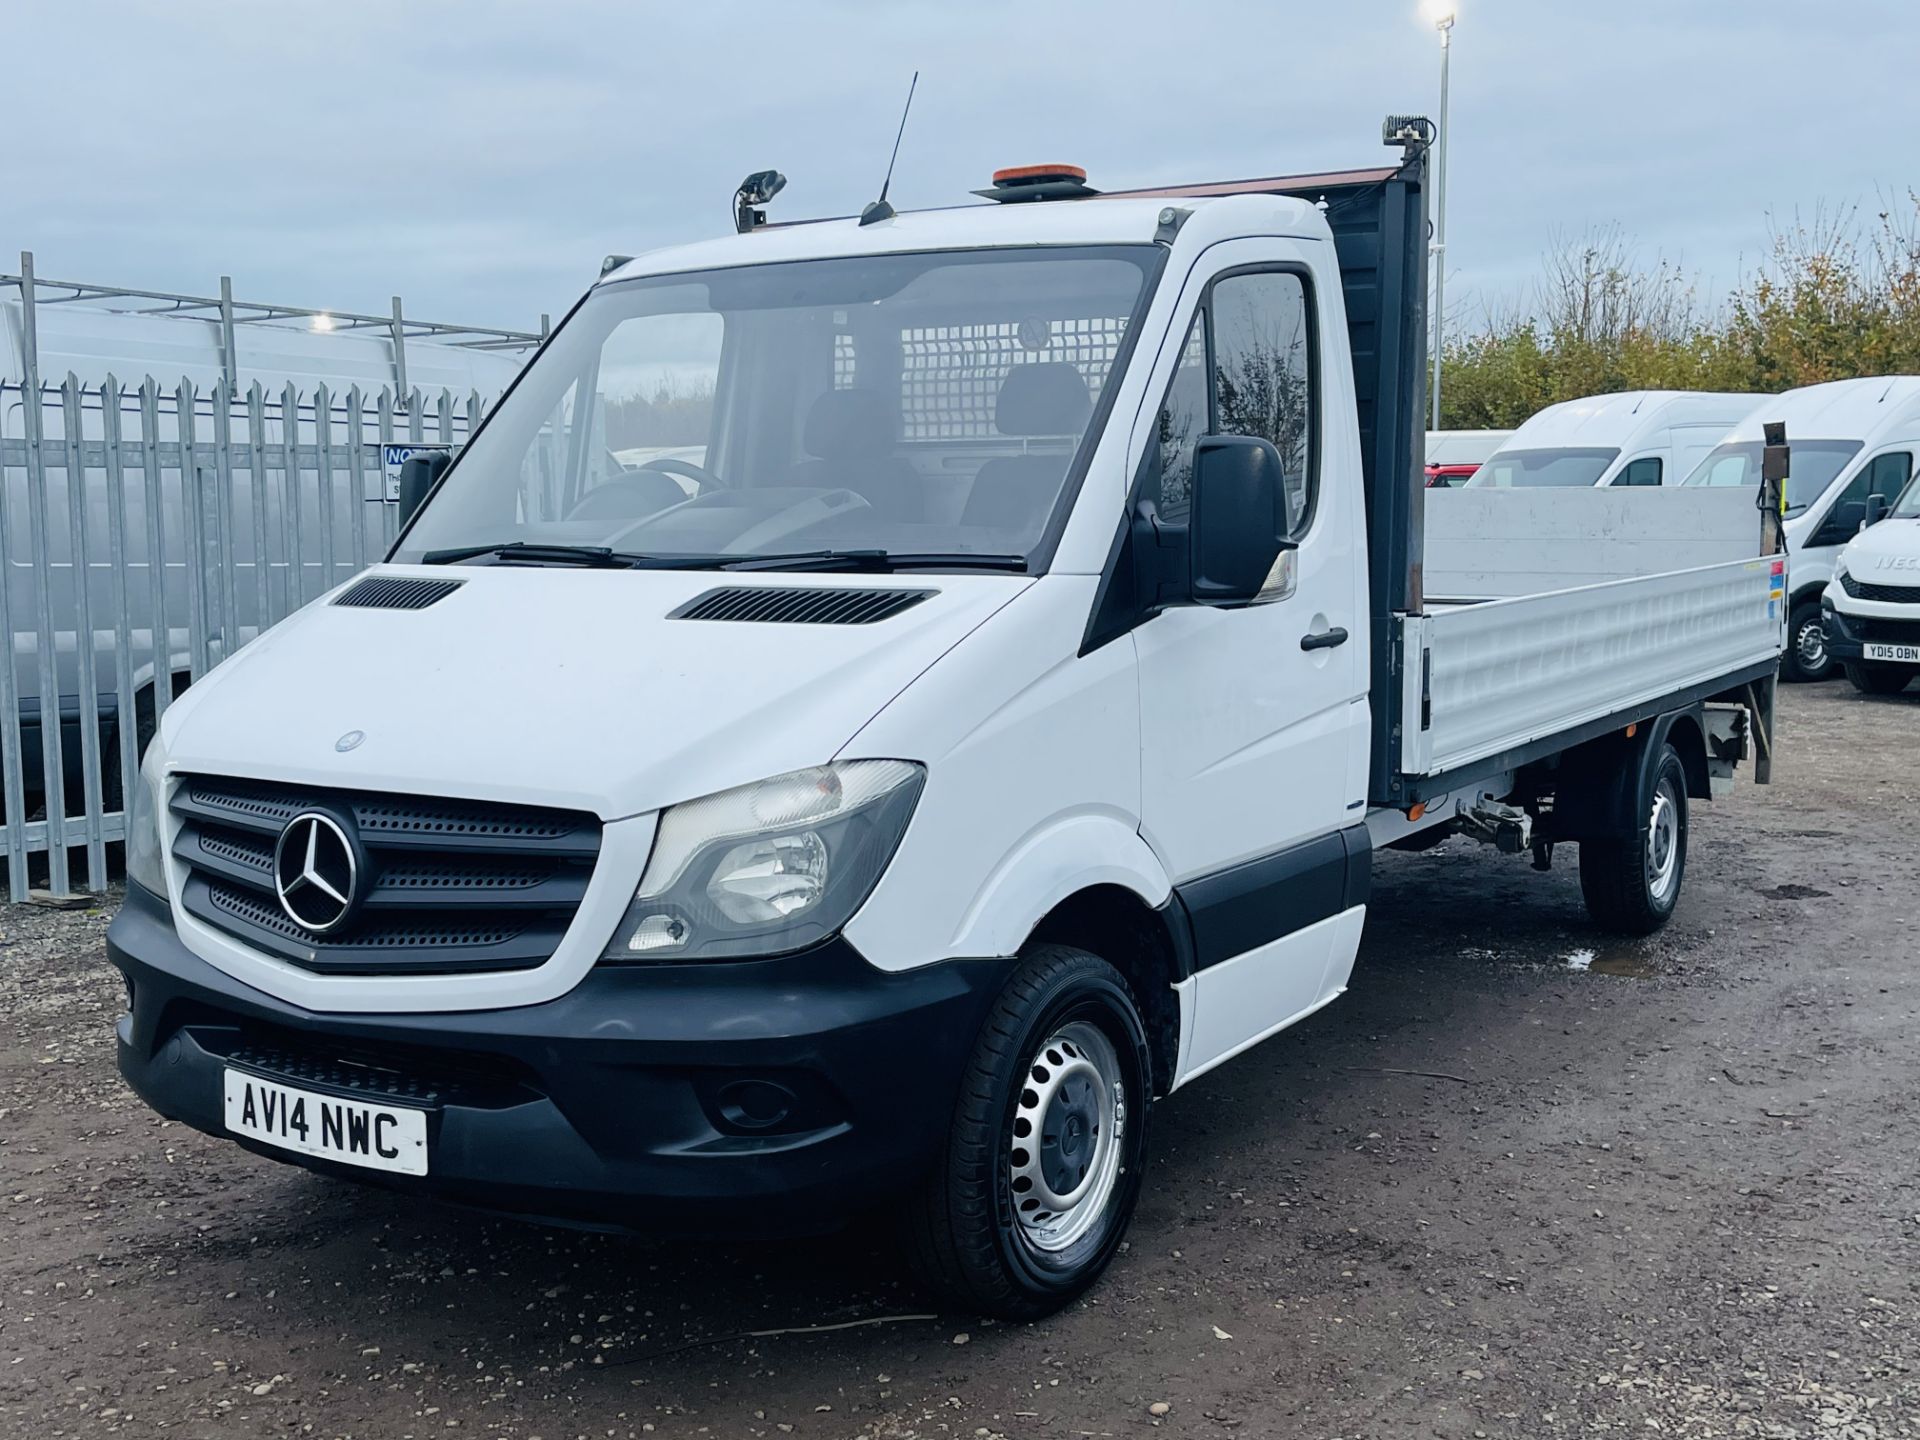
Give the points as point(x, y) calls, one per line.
point(994, 742)
point(1871, 609)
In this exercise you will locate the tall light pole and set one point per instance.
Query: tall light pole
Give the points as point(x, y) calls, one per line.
point(1441, 13)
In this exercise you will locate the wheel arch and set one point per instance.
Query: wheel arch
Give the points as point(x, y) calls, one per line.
point(1685, 730)
point(1597, 786)
point(1150, 945)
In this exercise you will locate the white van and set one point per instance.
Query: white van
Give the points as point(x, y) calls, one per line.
point(1637, 437)
point(1851, 440)
point(997, 741)
point(1871, 610)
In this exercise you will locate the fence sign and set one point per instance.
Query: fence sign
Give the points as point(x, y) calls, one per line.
point(392, 457)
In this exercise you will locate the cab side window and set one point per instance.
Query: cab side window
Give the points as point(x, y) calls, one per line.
point(1644, 471)
point(1885, 475)
point(1246, 368)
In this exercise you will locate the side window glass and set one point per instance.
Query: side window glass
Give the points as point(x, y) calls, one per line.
point(1263, 373)
point(1889, 473)
point(1644, 471)
point(1884, 475)
point(1182, 421)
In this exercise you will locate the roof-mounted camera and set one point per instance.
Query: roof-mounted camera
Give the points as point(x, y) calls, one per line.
point(756, 190)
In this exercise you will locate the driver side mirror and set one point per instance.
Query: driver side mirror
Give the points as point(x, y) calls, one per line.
point(1848, 517)
point(1877, 508)
point(1237, 526)
point(419, 473)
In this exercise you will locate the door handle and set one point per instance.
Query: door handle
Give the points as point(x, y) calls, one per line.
point(1324, 639)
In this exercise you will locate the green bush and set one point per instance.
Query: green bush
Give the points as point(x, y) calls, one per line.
point(1837, 298)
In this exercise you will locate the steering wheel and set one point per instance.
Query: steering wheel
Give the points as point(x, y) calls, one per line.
point(699, 474)
point(642, 490)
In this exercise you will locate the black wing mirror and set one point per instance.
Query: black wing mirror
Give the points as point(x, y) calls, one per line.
point(419, 473)
point(1877, 508)
point(1238, 524)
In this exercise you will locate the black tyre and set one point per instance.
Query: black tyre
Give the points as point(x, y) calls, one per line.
point(1632, 883)
point(1806, 657)
point(1043, 1162)
point(1870, 679)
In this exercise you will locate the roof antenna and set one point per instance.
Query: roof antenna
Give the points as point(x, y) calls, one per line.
point(880, 210)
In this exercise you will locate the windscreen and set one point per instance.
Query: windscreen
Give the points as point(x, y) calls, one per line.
point(1566, 466)
point(1814, 465)
point(902, 404)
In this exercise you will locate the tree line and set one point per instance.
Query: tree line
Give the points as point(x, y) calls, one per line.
point(1837, 296)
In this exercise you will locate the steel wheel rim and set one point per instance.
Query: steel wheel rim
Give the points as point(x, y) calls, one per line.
point(1065, 1141)
point(1663, 841)
point(1811, 644)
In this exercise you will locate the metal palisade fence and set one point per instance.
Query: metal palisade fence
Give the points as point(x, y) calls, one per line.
point(148, 531)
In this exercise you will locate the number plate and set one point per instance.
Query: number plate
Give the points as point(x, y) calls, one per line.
point(380, 1137)
point(1873, 650)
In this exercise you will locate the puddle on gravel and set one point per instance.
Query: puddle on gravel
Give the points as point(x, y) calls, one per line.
point(1621, 961)
point(1795, 892)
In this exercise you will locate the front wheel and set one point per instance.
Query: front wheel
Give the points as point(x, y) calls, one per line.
point(1631, 883)
point(1870, 679)
point(1043, 1161)
point(1806, 657)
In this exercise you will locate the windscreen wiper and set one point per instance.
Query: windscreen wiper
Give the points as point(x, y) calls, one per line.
point(876, 561)
point(597, 557)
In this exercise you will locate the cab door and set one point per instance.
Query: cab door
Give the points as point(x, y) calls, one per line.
point(1254, 721)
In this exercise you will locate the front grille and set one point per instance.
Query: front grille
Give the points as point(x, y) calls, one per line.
point(447, 886)
point(1885, 632)
point(1883, 594)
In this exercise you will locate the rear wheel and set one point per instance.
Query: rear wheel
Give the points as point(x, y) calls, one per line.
point(1806, 657)
point(1043, 1161)
point(1631, 883)
point(1870, 679)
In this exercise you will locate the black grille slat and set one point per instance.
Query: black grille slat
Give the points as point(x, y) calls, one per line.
point(396, 592)
point(800, 605)
point(1886, 632)
point(398, 820)
point(325, 1073)
point(1881, 594)
point(451, 885)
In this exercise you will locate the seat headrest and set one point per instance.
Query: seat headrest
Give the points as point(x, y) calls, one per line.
point(847, 424)
point(1050, 398)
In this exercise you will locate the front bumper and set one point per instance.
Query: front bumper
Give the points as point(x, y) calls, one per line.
point(766, 1096)
point(1847, 632)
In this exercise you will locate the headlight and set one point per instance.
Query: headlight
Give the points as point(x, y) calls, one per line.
point(768, 868)
point(145, 841)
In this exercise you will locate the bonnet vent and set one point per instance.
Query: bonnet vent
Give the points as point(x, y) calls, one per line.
point(396, 592)
point(808, 605)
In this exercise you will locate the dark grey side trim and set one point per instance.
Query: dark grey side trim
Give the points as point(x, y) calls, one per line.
point(1255, 903)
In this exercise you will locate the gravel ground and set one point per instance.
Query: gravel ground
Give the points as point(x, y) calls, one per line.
point(1519, 1182)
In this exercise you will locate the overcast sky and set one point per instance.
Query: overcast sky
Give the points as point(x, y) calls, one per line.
point(480, 157)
